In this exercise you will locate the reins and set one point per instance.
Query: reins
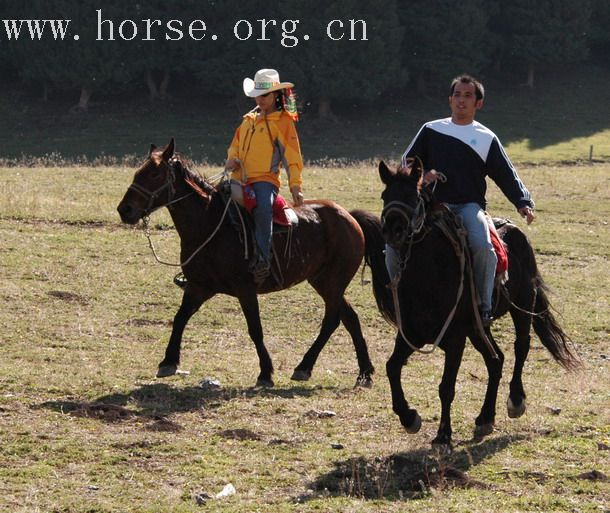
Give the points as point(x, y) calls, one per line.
point(145, 222)
point(394, 288)
point(415, 217)
point(152, 196)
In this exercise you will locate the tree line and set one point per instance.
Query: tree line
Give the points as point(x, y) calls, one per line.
point(333, 50)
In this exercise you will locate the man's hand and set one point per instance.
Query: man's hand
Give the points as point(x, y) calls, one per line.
point(431, 176)
point(527, 213)
point(297, 195)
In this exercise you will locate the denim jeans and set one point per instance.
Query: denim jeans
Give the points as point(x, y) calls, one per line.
point(484, 257)
point(263, 217)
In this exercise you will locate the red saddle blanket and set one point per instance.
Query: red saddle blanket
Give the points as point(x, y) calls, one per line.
point(499, 248)
point(280, 206)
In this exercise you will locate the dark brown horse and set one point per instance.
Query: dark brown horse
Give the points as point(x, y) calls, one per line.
point(326, 249)
point(429, 290)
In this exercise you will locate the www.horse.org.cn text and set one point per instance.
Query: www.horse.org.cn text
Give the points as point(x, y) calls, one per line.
point(289, 32)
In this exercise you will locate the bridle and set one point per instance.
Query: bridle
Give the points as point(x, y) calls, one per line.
point(152, 196)
point(414, 216)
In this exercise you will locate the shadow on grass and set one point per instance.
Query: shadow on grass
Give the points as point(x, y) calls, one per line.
point(158, 400)
point(408, 475)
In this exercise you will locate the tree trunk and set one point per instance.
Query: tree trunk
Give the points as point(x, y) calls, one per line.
point(530, 75)
point(324, 110)
point(420, 84)
point(83, 102)
point(164, 85)
point(153, 92)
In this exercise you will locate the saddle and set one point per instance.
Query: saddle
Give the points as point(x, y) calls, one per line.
point(283, 214)
point(284, 220)
point(440, 211)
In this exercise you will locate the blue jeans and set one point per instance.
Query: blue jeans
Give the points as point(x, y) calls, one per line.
point(484, 257)
point(263, 217)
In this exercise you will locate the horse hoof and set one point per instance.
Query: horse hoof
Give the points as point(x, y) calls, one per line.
point(300, 375)
point(364, 381)
point(167, 370)
point(415, 426)
point(483, 430)
point(264, 383)
point(514, 412)
point(442, 448)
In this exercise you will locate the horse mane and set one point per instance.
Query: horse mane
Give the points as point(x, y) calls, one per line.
point(194, 180)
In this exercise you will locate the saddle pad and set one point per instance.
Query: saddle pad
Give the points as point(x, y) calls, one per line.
point(282, 213)
point(499, 248)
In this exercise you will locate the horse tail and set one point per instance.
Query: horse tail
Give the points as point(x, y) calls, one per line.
point(545, 325)
point(374, 257)
point(549, 332)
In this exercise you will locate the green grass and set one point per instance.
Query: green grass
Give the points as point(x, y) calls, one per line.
point(559, 120)
point(86, 317)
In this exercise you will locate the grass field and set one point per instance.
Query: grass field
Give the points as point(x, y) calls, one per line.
point(85, 426)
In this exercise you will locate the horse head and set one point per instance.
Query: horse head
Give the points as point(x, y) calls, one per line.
point(403, 211)
point(153, 186)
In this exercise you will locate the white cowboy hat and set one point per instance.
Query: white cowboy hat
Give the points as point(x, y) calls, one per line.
point(265, 81)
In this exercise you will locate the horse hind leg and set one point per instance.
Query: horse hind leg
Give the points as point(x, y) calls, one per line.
point(515, 403)
point(192, 300)
point(350, 320)
point(330, 285)
point(330, 322)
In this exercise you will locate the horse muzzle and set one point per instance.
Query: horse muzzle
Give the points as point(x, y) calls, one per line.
point(129, 213)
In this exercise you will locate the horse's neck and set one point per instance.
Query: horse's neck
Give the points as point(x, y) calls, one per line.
point(192, 217)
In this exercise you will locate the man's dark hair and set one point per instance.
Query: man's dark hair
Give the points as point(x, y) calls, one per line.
point(467, 79)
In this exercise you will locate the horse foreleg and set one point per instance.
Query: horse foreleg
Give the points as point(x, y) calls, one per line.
point(516, 399)
point(454, 350)
point(485, 421)
point(192, 300)
point(409, 418)
point(249, 305)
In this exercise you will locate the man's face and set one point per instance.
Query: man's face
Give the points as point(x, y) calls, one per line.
point(464, 103)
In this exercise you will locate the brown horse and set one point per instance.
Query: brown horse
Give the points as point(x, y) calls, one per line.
point(326, 249)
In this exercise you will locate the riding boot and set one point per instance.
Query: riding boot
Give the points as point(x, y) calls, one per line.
point(260, 270)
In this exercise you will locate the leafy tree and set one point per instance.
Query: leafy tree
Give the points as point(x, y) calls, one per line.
point(75, 62)
point(444, 38)
point(544, 32)
point(599, 35)
point(323, 69)
point(353, 50)
point(169, 48)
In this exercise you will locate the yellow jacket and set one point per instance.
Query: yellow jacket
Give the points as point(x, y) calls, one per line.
point(262, 146)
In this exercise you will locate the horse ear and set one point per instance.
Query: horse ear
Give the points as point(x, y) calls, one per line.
point(384, 172)
point(152, 148)
point(168, 152)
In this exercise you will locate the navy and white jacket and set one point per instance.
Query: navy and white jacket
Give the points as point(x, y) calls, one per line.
point(466, 154)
